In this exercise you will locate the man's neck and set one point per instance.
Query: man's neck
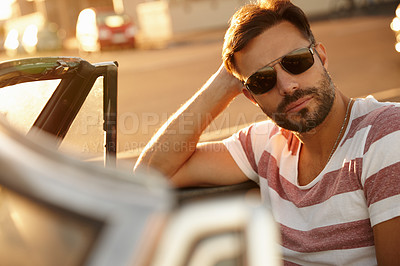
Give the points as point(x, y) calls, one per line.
point(319, 145)
point(320, 142)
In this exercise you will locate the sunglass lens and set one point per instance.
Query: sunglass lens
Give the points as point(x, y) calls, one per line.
point(298, 61)
point(262, 81)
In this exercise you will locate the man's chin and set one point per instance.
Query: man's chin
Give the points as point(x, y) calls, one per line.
point(299, 126)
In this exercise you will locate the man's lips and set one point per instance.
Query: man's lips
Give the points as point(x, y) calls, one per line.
point(298, 105)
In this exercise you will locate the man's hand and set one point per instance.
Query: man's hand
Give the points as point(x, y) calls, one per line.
point(227, 80)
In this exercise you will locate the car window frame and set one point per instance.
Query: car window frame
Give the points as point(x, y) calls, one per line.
point(77, 79)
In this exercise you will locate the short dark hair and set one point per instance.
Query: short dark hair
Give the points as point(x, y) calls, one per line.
point(253, 19)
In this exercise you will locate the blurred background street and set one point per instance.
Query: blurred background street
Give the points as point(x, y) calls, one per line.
point(155, 80)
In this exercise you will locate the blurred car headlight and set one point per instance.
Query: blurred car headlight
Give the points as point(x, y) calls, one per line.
point(114, 21)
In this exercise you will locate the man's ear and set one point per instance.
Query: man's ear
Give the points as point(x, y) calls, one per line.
point(321, 50)
point(249, 96)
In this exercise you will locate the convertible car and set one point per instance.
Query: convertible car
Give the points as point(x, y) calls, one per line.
point(63, 201)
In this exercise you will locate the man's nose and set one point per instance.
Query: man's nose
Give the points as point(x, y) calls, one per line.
point(286, 83)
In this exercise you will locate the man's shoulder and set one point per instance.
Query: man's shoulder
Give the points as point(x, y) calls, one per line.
point(377, 121)
point(258, 128)
point(370, 112)
point(259, 134)
point(266, 130)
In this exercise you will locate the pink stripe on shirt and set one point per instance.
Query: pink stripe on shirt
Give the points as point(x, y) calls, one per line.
point(383, 121)
point(350, 235)
point(332, 183)
point(387, 123)
point(245, 140)
point(383, 184)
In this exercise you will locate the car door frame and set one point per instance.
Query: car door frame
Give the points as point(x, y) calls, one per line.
point(77, 79)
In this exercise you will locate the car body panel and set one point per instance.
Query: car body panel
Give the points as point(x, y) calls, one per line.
point(81, 213)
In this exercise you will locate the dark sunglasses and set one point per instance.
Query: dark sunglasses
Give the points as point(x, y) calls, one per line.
point(295, 62)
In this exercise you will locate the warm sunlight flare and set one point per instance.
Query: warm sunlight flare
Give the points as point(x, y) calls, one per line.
point(11, 42)
point(6, 9)
point(86, 29)
point(395, 25)
point(30, 39)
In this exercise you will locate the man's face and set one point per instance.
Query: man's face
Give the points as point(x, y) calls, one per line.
point(307, 117)
point(297, 102)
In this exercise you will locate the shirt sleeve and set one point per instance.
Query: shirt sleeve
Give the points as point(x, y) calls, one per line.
point(381, 166)
point(244, 146)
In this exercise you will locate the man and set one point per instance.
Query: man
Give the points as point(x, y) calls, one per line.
point(328, 164)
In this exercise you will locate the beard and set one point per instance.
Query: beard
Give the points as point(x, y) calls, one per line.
point(306, 119)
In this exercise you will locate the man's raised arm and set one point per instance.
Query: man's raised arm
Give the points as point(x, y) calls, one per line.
point(174, 149)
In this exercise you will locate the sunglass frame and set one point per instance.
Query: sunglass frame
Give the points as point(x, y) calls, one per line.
point(270, 66)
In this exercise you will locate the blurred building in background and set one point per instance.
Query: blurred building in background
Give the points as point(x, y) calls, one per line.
point(162, 18)
point(37, 25)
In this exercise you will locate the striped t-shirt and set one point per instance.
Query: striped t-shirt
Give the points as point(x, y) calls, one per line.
point(328, 221)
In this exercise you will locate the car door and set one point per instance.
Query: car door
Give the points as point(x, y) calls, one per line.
point(66, 97)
